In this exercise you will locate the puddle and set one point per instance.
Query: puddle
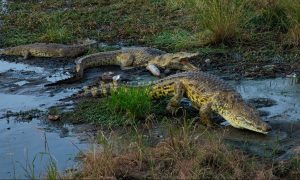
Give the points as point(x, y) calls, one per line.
point(22, 142)
point(284, 91)
point(22, 88)
point(284, 117)
point(4, 9)
point(6, 66)
point(21, 83)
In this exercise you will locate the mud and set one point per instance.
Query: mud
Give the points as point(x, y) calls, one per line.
point(26, 135)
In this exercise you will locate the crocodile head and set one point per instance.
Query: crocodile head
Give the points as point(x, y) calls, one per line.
point(240, 115)
point(178, 61)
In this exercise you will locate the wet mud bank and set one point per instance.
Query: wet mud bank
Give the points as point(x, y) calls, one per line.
point(26, 136)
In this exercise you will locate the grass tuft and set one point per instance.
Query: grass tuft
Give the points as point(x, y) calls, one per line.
point(133, 102)
point(124, 107)
point(221, 18)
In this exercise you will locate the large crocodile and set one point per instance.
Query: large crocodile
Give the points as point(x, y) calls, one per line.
point(133, 57)
point(48, 50)
point(207, 93)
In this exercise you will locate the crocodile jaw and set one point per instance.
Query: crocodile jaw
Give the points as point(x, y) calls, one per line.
point(249, 127)
point(244, 117)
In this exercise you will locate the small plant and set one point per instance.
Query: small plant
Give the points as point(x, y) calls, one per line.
point(133, 102)
point(218, 20)
point(52, 171)
point(124, 106)
point(221, 19)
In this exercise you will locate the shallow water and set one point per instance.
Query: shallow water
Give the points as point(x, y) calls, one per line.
point(4, 4)
point(22, 142)
point(285, 91)
point(21, 89)
point(284, 117)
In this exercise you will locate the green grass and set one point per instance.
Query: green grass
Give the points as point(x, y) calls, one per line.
point(124, 107)
point(52, 171)
point(224, 22)
point(177, 40)
point(133, 102)
point(168, 24)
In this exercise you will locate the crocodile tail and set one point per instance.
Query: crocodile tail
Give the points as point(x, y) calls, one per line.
point(106, 89)
point(102, 90)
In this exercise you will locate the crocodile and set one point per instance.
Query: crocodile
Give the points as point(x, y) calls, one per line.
point(53, 50)
point(207, 92)
point(150, 58)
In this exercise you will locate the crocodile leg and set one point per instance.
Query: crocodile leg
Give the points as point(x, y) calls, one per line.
point(173, 104)
point(125, 60)
point(205, 114)
point(26, 54)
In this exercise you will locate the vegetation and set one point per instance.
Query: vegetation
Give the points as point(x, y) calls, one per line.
point(187, 151)
point(167, 24)
point(125, 106)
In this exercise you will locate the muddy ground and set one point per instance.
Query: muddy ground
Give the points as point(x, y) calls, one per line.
point(269, 85)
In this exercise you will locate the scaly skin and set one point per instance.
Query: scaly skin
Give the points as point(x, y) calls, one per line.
point(132, 57)
point(47, 50)
point(207, 93)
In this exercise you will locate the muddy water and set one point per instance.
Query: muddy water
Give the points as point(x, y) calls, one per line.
point(25, 143)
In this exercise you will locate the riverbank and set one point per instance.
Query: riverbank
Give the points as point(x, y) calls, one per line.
point(243, 42)
point(254, 38)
